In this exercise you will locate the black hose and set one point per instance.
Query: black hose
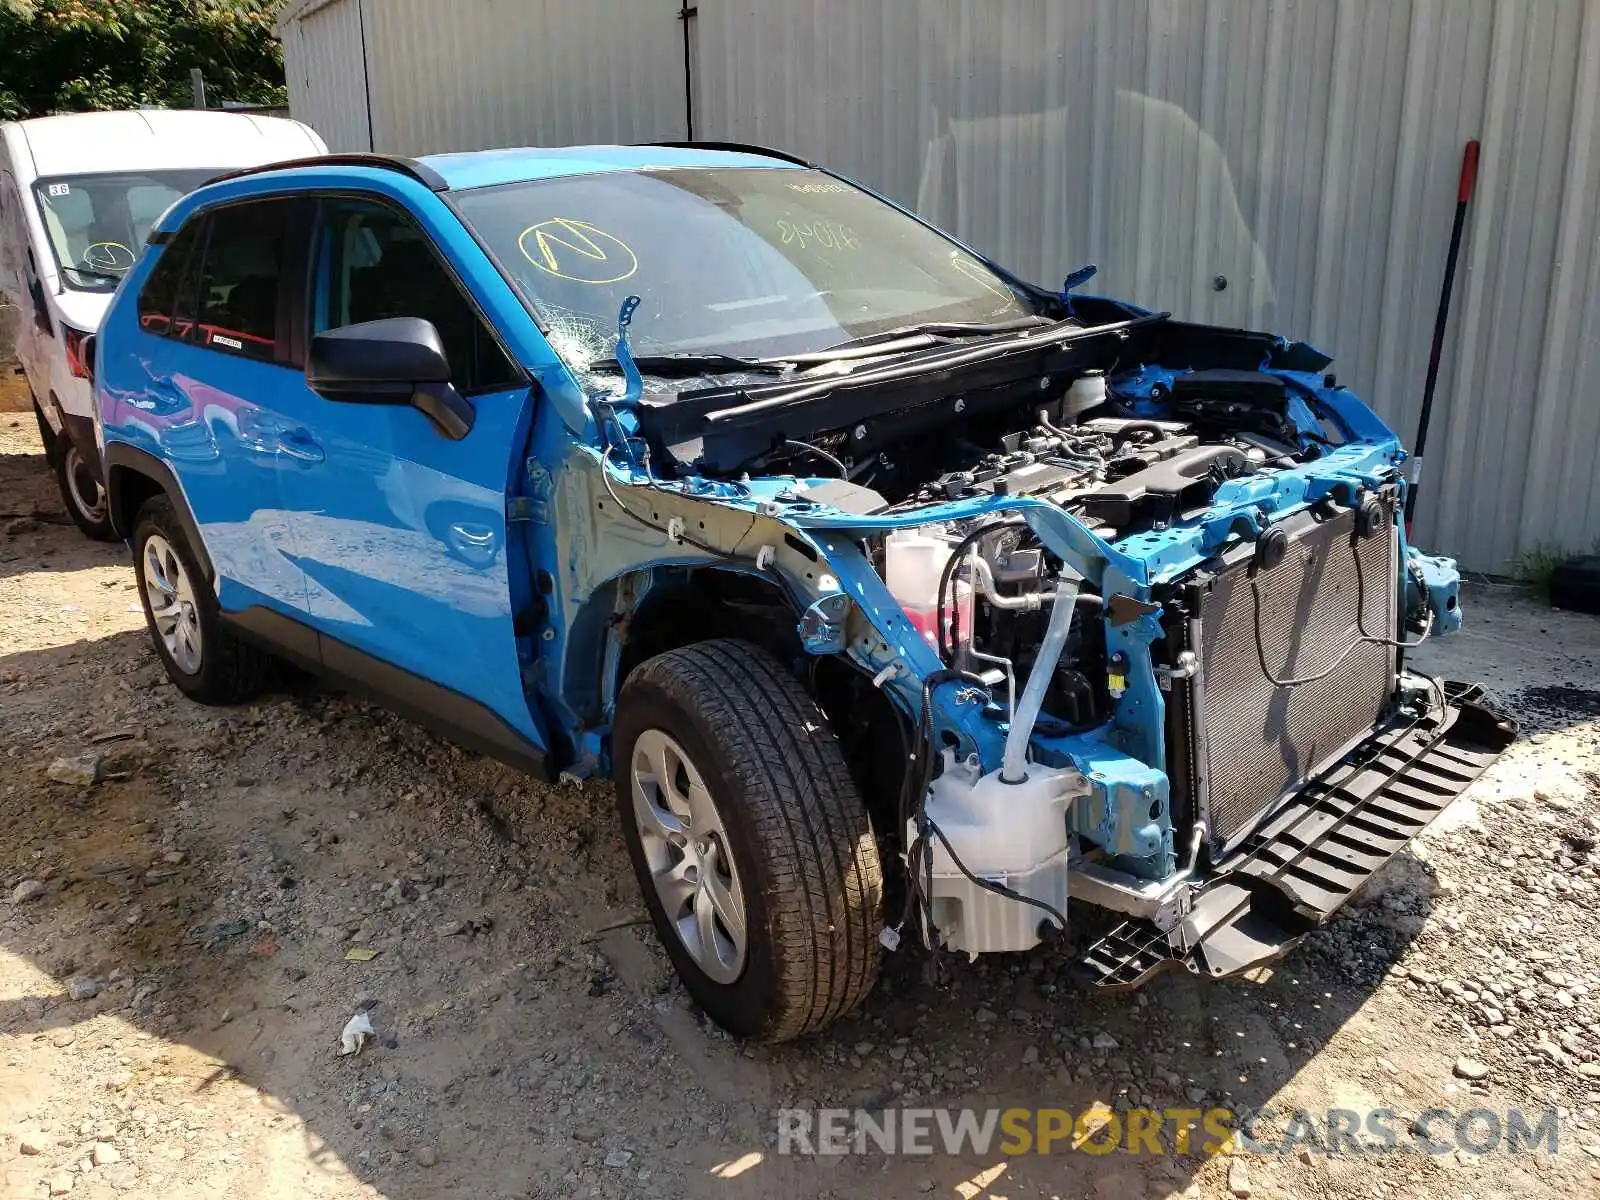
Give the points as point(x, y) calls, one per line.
point(1363, 639)
point(819, 452)
point(918, 854)
point(989, 885)
point(1127, 431)
point(947, 645)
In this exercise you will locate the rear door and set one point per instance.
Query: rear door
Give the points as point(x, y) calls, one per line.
point(214, 360)
point(401, 530)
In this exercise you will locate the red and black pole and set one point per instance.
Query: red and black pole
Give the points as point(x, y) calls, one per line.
point(1469, 175)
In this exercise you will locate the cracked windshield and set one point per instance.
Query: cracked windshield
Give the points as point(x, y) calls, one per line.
point(749, 262)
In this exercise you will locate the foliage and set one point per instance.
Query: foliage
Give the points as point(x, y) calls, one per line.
point(72, 55)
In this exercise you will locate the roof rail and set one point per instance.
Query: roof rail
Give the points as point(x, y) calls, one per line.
point(410, 167)
point(736, 148)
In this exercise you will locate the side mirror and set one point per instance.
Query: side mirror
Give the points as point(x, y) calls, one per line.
point(398, 360)
point(41, 309)
point(86, 356)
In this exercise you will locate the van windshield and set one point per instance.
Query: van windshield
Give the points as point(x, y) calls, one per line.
point(741, 261)
point(97, 223)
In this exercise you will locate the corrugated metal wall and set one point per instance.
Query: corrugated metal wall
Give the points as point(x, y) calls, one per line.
point(1305, 150)
point(472, 74)
point(326, 72)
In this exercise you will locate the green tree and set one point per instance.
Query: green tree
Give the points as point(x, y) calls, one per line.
point(74, 55)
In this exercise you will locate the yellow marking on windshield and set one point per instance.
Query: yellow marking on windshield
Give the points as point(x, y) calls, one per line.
point(981, 275)
point(577, 250)
point(108, 256)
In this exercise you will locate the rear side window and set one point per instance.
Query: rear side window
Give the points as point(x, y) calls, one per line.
point(239, 277)
point(159, 297)
point(376, 263)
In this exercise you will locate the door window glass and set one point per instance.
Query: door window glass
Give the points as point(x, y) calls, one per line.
point(239, 280)
point(378, 264)
point(159, 296)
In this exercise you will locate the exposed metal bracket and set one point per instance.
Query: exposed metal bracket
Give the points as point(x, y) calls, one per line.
point(1162, 902)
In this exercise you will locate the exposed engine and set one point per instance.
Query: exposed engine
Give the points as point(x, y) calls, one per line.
point(1140, 597)
point(1121, 473)
point(998, 607)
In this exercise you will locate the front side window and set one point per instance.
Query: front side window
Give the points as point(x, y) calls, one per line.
point(96, 223)
point(238, 294)
point(743, 261)
point(376, 263)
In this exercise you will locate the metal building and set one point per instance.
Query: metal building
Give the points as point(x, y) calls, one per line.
point(1282, 164)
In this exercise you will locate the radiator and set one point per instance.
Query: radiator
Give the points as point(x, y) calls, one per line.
point(1249, 740)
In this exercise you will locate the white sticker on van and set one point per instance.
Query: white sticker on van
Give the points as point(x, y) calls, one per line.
point(59, 189)
point(231, 343)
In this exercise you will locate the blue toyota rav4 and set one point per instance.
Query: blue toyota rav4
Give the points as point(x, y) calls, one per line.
point(898, 595)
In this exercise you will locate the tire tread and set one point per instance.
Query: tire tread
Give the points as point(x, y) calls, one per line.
point(825, 878)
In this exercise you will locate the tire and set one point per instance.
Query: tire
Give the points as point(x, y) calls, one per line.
point(799, 846)
point(82, 493)
point(222, 670)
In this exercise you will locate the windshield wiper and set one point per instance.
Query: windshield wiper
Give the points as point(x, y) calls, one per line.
point(915, 337)
point(893, 341)
point(683, 366)
point(91, 273)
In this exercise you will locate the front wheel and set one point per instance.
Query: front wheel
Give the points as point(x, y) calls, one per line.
point(750, 842)
point(83, 493)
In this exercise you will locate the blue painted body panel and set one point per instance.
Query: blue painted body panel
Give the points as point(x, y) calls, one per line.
point(219, 432)
point(395, 540)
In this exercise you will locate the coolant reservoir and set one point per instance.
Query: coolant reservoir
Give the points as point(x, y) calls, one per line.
point(914, 560)
point(1087, 391)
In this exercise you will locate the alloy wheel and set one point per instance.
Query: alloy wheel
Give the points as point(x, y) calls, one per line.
point(686, 846)
point(171, 597)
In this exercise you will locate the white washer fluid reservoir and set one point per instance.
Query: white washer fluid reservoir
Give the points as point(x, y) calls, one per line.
point(1014, 834)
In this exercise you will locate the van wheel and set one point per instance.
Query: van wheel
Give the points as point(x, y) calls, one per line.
point(750, 842)
point(205, 661)
point(83, 493)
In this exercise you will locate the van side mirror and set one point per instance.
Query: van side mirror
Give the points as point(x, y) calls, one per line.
point(398, 360)
point(41, 308)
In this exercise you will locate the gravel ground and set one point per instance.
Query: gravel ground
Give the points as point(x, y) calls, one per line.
point(194, 902)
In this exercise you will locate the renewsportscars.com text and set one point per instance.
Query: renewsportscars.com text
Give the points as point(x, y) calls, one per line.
point(1102, 1130)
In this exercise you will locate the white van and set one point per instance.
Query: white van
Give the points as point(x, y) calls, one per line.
point(78, 194)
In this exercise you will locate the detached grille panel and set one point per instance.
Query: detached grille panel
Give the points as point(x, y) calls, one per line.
point(1257, 739)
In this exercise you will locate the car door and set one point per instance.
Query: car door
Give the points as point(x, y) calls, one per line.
point(14, 303)
point(401, 529)
point(217, 355)
point(34, 331)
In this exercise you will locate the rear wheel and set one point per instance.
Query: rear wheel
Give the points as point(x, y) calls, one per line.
point(207, 662)
point(83, 493)
point(750, 842)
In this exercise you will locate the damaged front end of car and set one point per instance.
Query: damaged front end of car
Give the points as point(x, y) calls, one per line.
point(1137, 591)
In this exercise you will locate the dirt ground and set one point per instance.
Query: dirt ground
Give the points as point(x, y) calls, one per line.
point(212, 895)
